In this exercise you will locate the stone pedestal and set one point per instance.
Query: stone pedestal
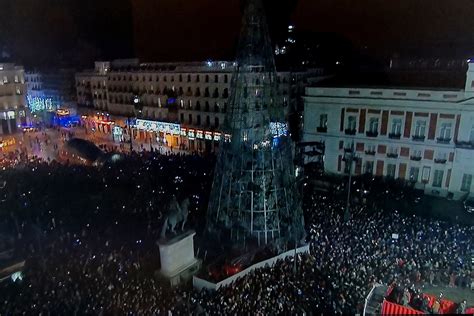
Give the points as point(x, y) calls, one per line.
point(177, 257)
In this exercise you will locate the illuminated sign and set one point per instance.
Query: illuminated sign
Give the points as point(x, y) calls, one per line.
point(183, 132)
point(62, 112)
point(199, 134)
point(227, 138)
point(191, 134)
point(208, 135)
point(155, 126)
point(217, 137)
point(117, 131)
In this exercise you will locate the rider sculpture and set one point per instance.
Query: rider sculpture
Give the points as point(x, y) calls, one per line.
point(176, 213)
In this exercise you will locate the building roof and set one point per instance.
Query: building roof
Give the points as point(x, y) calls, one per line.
point(426, 80)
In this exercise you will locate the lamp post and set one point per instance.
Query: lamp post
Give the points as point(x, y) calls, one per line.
point(349, 158)
point(129, 123)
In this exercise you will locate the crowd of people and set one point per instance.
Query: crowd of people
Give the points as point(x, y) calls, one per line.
point(89, 235)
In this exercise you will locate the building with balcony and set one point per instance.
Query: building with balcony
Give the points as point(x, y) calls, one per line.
point(49, 90)
point(422, 135)
point(193, 95)
point(13, 109)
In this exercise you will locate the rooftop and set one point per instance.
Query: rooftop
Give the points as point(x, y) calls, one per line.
point(426, 80)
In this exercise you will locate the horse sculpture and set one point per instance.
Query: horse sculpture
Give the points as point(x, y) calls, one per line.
point(176, 214)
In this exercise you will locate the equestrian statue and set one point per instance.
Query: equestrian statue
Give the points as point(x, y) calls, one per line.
point(176, 214)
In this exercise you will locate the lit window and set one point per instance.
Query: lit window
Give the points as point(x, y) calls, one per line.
point(374, 124)
point(323, 121)
point(396, 126)
point(5, 79)
point(414, 173)
point(351, 123)
point(391, 170)
point(420, 127)
point(438, 178)
point(466, 182)
point(445, 131)
point(369, 167)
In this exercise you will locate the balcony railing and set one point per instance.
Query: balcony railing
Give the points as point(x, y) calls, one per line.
point(415, 158)
point(392, 155)
point(349, 131)
point(418, 138)
point(440, 160)
point(370, 152)
point(372, 133)
point(321, 129)
point(442, 140)
point(394, 135)
point(348, 149)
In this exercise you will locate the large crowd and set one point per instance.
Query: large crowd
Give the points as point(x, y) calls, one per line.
point(89, 234)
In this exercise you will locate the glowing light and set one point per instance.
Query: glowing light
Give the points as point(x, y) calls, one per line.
point(155, 126)
point(37, 104)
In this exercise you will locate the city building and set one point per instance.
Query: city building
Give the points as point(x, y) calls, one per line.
point(192, 96)
point(14, 111)
point(50, 90)
point(422, 135)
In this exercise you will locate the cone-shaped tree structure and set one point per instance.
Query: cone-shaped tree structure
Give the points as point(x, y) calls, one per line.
point(254, 197)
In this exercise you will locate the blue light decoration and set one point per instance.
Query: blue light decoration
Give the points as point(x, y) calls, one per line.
point(37, 104)
point(67, 120)
point(171, 101)
point(279, 129)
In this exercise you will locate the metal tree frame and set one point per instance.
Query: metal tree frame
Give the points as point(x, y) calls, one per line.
point(254, 194)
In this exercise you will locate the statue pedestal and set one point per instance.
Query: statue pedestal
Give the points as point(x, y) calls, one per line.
point(177, 257)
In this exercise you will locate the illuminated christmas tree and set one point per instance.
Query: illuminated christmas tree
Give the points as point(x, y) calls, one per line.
point(254, 198)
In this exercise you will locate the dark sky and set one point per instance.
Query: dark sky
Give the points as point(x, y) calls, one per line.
point(37, 32)
point(183, 29)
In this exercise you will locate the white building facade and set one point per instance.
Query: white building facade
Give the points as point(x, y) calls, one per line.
point(13, 109)
point(422, 136)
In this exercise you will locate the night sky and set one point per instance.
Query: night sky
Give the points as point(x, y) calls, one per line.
point(45, 31)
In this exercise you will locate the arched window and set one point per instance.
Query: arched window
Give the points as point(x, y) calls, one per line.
point(207, 78)
point(198, 92)
point(216, 122)
point(207, 106)
point(226, 79)
point(225, 94)
point(216, 79)
point(206, 93)
point(216, 93)
point(189, 78)
point(198, 106)
point(208, 121)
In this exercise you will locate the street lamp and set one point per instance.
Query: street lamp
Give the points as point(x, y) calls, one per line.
point(349, 158)
point(137, 106)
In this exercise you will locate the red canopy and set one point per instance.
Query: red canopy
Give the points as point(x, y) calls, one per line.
point(389, 308)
